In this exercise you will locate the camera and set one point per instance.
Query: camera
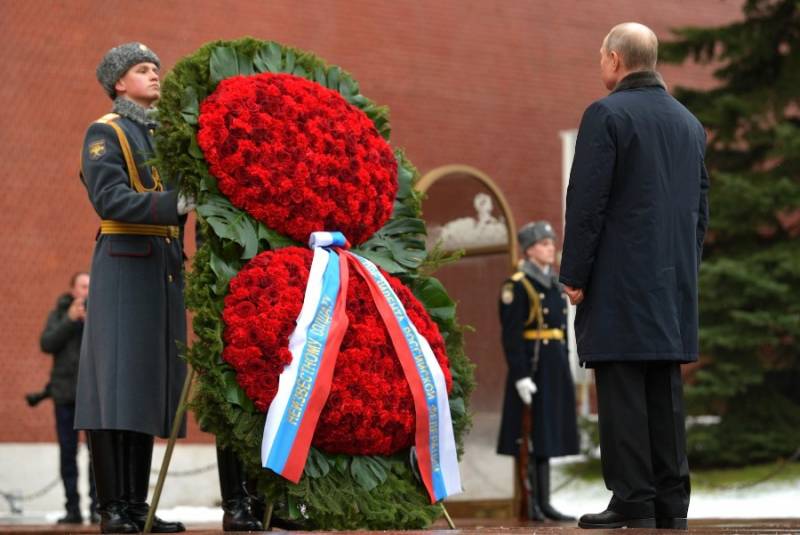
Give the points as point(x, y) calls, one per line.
point(34, 398)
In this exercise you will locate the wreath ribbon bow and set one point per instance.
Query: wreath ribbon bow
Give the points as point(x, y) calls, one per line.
point(304, 384)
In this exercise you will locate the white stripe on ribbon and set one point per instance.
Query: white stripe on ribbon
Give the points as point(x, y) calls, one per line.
point(444, 458)
point(448, 455)
point(297, 342)
point(445, 472)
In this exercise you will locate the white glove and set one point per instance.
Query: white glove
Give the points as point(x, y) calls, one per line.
point(526, 389)
point(186, 203)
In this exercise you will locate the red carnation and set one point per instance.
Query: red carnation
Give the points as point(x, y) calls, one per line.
point(282, 147)
point(370, 410)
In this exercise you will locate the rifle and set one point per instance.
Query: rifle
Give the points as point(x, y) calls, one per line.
point(529, 509)
point(525, 465)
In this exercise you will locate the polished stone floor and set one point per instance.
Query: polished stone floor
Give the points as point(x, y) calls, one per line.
point(490, 527)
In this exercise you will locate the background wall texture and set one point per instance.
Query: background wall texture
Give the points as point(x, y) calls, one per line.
point(487, 84)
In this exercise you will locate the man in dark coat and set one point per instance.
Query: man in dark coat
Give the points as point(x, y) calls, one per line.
point(533, 318)
point(130, 375)
point(62, 339)
point(636, 217)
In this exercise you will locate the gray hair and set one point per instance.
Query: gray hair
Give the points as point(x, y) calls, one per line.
point(635, 43)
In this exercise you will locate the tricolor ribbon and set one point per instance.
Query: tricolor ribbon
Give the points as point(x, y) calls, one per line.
point(304, 384)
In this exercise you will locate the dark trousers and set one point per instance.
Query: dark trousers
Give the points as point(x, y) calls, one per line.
point(68, 447)
point(643, 438)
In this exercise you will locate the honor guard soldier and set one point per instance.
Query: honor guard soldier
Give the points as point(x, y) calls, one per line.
point(533, 316)
point(130, 374)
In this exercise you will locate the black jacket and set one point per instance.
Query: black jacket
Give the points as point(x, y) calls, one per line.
point(62, 339)
point(636, 217)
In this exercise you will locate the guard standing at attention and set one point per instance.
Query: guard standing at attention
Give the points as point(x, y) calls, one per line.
point(130, 375)
point(533, 316)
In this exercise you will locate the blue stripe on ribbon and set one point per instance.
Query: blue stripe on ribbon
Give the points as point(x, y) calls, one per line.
point(338, 239)
point(327, 239)
point(425, 375)
point(308, 367)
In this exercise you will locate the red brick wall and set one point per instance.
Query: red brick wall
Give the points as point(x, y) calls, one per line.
point(489, 84)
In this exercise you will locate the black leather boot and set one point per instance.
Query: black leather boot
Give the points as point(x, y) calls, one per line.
point(543, 484)
point(235, 501)
point(73, 516)
point(530, 510)
point(139, 456)
point(105, 448)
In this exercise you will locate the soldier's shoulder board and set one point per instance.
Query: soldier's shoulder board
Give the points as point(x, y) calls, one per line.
point(518, 276)
point(507, 293)
point(107, 118)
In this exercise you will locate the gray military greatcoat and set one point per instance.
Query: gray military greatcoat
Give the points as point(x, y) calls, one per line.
point(130, 374)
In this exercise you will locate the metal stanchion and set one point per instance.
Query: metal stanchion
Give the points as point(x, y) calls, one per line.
point(173, 436)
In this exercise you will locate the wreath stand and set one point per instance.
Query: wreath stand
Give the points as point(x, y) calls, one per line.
point(173, 437)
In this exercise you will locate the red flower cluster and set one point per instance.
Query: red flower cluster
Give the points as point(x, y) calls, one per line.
point(370, 410)
point(296, 156)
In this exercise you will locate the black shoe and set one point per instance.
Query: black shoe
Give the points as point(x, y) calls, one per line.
point(611, 519)
point(672, 523)
point(138, 515)
point(73, 516)
point(239, 517)
point(94, 517)
point(114, 519)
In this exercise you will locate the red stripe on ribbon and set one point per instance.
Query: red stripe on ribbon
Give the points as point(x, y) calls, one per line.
point(409, 369)
point(296, 461)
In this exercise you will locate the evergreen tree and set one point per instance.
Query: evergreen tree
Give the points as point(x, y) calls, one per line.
point(750, 278)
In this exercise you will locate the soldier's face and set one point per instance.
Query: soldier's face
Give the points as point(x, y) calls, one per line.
point(140, 84)
point(543, 252)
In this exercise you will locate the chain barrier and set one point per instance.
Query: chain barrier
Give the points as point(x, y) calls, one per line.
point(14, 499)
point(188, 471)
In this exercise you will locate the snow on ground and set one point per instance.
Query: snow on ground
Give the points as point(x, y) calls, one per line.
point(769, 500)
point(763, 501)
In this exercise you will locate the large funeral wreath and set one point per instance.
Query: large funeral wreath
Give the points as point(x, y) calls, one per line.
point(275, 144)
